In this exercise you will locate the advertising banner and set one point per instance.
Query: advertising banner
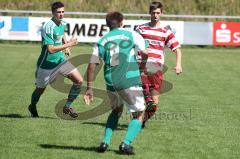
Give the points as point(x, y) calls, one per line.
point(226, 33)
point(85, 30)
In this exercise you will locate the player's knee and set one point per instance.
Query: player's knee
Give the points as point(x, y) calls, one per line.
point(138, 115)
point(78, 82)
point(39, 90)
point(76, 79)
point(156, 102)
point(118, 110)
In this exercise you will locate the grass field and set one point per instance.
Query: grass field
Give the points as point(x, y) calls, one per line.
point(198, 119)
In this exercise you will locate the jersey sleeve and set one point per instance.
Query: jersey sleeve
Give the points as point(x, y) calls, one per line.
point(138, 29)
point(95, 58)
point(64, 22)
point(47, 35)
point(171, 41)
point(139, 41)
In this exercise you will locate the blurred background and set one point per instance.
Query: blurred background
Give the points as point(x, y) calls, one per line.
point(190, 7)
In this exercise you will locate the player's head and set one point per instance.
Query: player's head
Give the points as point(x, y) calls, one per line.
point(114, 20)
point(58, 10)
point(155, 10)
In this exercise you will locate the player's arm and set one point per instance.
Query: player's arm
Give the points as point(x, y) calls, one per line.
point(141, 46)
point(88, 97)
point(67, 51)
point(94, 61)
point(53, 49)
point(144, 59)
point(174, 45)
point(48, 40)
point(178, 67)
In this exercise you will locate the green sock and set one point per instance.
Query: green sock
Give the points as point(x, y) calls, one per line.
point(110, 127)
point(74, 92)
point(35, 98)
point(134, 128)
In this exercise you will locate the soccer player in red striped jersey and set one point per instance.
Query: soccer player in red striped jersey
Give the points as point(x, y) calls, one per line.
point(157, 36)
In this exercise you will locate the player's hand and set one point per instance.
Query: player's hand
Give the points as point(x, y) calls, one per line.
point(178, 69)
point(67, 51)
point(73, 41)
point(142, 68)
point(88, 97)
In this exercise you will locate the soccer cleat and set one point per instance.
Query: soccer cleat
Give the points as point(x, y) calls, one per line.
point(33, 110)
point(126, 149)
point(70, 111)
point(151, 107)
point(102, 147)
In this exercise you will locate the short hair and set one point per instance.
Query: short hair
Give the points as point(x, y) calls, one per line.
point(114, 19)
point(155, 5)
point(56, 5)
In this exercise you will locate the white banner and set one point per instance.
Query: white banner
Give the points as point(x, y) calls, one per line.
point(35, 28)
point(21, 28)
point(86, 30)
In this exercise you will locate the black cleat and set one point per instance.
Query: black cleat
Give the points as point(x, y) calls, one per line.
point(33, 110)
point(126, 149)
point(102, 147)
point(70, 111)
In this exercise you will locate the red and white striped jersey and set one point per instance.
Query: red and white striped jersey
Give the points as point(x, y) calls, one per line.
point(158, 38)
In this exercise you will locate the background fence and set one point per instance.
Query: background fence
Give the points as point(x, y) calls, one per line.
point(90, 30)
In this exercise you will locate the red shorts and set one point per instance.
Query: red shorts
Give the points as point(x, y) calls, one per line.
point(152, 81)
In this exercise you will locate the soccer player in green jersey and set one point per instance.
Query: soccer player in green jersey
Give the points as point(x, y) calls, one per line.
point(122, 77)
point(52, 62)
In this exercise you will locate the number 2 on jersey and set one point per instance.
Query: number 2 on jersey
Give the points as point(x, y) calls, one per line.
point(114, 53)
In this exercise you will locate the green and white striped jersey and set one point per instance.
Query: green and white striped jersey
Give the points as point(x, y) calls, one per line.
point(52, 34)
point(117, 49)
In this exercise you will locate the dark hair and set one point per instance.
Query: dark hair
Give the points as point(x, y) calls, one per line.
point(114, 19)
point(56, 5)
point(155, 5)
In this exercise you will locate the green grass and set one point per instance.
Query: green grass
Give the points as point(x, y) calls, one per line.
point(199, 118)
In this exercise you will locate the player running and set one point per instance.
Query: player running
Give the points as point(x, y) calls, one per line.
point(157, 36)
point(52, 62)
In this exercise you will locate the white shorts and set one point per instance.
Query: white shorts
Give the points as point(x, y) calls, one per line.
point(132, 97)
point(44, 76)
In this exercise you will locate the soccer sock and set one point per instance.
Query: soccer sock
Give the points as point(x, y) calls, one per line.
point(134, 128)
point(35, 97)
point(74, 92)
point(110, 127)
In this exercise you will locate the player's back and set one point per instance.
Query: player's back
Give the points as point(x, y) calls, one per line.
point(116, 48)
point(117, 42)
